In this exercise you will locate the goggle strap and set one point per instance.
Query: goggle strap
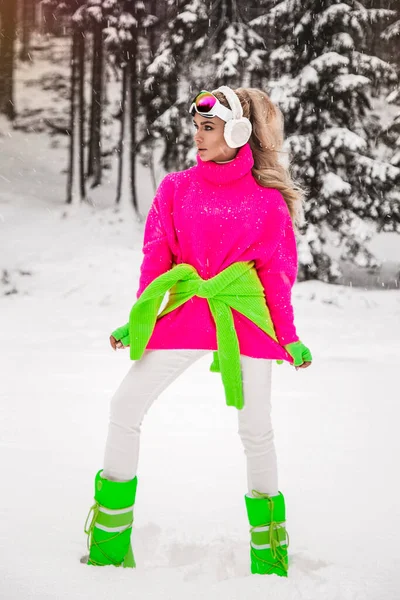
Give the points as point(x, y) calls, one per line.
point(223, 113)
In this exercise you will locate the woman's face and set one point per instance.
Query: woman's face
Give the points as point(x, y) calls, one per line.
point(210, 141)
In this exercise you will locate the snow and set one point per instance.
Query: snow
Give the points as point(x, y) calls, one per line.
point(308, 77)
point(95, 11)
point(162, 64)
point(74, 274)
point(127, 21)
point(281, 54)
point(376, 169)
point(298, 145)
point(231, 51)
point(281, 93)
point(334, 13)
point(393, 96)
point(342, 40)
point(188, 17)
point(374, 66)
point(349, 83)
point(329, 61)
point(372, 15)
point(125, 36)
point(277, 11)
point(303, 23)
point(190, 535)
point(392, 31)
point(194, 11)
point(256, 60)
point(111, 36)
point(341, 137)
point(332, 184)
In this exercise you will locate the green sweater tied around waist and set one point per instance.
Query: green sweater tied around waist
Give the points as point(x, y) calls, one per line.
point(237, 287)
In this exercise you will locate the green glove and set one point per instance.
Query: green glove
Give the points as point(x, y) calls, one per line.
point(299, 352)
point(122, 334)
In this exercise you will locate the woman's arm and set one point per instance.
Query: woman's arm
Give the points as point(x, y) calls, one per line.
point(278, 274)
point(157, 253)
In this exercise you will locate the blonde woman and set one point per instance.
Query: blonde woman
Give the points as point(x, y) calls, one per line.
point(220, 239)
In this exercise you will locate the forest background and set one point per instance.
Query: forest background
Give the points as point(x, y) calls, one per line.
point(119, 74)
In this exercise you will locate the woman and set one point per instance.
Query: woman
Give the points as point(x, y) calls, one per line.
point(220, 238)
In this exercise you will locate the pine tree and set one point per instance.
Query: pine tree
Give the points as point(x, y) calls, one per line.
point(97, 16)
point(391, 35)
point(167, 73)
point(379, 45)
point(205, 45)
point(323, 80)
point(128, 22)
point(239, 52)
point(75, 10)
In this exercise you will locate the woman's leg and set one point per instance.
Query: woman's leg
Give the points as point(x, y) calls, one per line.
point(144, 382)
point(255, 426)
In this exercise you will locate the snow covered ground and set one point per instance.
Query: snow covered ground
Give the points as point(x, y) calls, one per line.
point(70, 279)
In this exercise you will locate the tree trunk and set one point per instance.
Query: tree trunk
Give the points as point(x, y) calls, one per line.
point(76, 175)
point(94, 160)
point(152, 169)
point(49, 21)
point(152, 35)
point(71, 180)
point(220, 18)
point(126, 187)
point(7, 41)
point(28, 22)
point(81, 88)
point(122, 190)
point(133, 104)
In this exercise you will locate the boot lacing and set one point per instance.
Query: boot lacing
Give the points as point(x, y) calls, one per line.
point(273, 530)
point(91, 541)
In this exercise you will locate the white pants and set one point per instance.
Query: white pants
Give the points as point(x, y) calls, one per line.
point(151, 375)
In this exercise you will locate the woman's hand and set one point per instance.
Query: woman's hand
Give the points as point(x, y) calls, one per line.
point(116, 344)
point(300, 353)
point(120, 337)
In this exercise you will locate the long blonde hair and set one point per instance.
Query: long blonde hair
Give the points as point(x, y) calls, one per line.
point(266, 144)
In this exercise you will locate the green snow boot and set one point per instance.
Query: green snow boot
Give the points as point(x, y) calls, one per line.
point(109, 531)
point(269, 540)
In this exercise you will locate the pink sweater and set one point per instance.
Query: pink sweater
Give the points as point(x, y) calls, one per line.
point(211, 216)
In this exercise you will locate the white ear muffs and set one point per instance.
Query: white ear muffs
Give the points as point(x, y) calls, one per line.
point(237, 131)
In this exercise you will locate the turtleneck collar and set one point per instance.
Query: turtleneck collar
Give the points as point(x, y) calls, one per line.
point(231, 171)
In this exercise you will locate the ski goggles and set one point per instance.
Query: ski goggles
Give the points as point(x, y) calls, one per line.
point(207, 105)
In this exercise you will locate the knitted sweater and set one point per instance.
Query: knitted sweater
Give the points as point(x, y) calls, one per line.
point(211, 216)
